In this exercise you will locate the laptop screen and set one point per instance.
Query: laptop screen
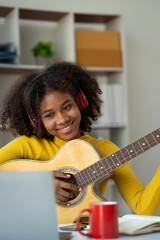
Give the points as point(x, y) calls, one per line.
point(27, 206)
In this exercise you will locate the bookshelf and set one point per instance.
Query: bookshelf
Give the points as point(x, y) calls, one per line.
point(25, 27)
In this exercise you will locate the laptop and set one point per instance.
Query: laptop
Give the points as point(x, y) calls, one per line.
point(27, 207)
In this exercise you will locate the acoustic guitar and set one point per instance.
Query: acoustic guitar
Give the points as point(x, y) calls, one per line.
point(87, 169)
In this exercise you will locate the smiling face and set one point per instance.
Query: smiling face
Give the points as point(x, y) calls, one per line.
point(60, 115)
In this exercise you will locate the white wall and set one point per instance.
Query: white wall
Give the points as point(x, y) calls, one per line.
point(141, 24)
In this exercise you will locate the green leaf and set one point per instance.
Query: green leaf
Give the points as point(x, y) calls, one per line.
point(43, 49)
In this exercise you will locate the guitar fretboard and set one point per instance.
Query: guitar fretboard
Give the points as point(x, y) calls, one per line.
point(108, 164)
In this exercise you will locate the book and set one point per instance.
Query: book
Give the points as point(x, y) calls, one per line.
point(104, 118)
point(8, 46)
point(5, 54)
point(111, 107)
point(8, 53)
point(10, 59)
point(119, 103)
point(133, 224)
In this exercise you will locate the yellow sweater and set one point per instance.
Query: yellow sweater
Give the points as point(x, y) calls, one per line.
point(141, 200)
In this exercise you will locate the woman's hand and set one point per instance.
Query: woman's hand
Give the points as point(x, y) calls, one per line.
point(62, 196)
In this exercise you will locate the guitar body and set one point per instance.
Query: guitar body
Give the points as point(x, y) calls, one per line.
point(73, 157)
point(81, 159)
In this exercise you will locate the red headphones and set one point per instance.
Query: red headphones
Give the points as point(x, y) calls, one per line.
point(34, 121)
point(83, 100)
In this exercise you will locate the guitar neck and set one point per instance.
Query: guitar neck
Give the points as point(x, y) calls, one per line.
point(107, 164)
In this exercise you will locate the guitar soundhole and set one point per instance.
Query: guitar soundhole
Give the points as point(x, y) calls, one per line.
point(73, 181)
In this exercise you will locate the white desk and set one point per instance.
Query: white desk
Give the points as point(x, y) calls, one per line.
point(151, 236)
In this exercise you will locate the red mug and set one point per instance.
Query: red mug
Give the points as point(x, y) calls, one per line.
point(103, 220)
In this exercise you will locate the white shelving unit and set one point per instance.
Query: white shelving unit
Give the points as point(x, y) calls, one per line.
point(25, 27)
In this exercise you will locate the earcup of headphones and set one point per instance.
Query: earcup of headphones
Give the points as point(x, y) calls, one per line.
point(83, 103)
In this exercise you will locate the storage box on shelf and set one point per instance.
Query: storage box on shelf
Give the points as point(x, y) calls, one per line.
point(98, 48)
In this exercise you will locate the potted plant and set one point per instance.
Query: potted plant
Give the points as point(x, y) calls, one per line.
point(43, 53)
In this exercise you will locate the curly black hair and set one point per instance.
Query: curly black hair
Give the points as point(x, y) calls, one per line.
point(27, 94)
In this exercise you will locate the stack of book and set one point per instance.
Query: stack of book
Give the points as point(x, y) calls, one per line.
point(113, 109)
point(8, 53)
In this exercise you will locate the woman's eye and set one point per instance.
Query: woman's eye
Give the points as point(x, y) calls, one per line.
point(67, 107)
point(49, 115)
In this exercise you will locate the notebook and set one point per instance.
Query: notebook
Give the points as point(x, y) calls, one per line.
point(27, 207)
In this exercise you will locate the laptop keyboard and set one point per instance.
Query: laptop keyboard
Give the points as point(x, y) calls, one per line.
point(65, 235)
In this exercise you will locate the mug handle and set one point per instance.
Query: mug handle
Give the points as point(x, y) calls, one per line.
point(78, 221)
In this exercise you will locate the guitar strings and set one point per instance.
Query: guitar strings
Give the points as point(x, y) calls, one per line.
point(71, 180)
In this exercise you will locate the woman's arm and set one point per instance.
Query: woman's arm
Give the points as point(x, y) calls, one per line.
point(10, 151)
point(142, 200)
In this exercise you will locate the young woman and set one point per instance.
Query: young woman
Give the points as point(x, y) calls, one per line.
point(50, 108)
